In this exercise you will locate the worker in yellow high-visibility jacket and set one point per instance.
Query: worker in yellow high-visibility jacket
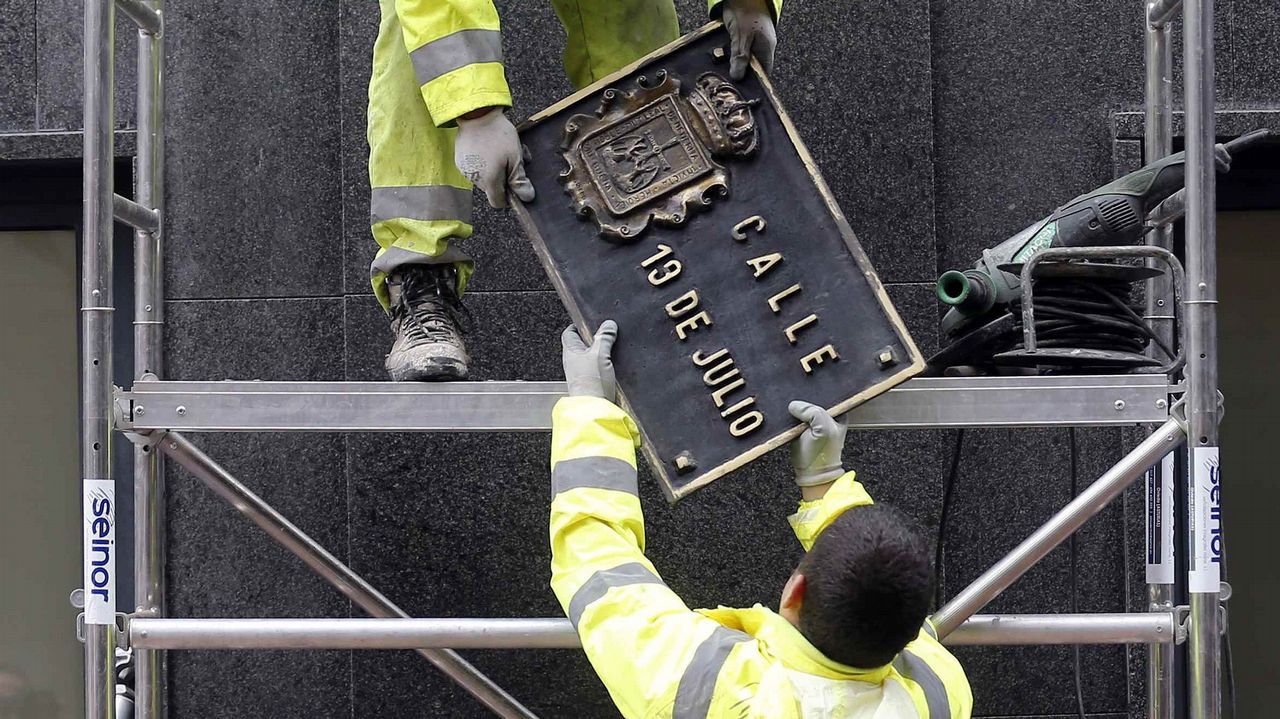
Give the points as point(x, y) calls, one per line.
point(437, 125)
point(850, 638)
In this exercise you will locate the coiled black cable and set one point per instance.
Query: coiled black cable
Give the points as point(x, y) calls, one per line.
point(1096, 313)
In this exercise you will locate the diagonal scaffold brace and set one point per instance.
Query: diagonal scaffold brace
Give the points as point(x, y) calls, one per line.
point(179, 449)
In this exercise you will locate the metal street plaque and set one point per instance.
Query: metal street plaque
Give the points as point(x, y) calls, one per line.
point(684, 206)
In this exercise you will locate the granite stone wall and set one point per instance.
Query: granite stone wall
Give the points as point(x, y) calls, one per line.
point(941, 126)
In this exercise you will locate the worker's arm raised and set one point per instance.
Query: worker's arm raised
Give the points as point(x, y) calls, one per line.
point(826, 488)
point(456, 48)
point(652, 653)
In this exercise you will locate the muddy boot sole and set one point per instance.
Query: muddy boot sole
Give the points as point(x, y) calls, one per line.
point(434, 369)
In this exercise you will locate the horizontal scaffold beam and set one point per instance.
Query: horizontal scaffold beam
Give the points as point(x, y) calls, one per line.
point(253, 406)
point(558, 633)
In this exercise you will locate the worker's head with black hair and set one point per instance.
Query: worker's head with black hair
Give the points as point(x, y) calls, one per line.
point(863, 590)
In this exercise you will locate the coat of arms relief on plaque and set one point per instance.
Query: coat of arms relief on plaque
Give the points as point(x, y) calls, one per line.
point(649, 154)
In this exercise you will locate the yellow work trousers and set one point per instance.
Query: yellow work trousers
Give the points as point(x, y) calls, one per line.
point(420, 201)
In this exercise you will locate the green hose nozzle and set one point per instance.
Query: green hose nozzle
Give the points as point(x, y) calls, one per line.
point(953, 287)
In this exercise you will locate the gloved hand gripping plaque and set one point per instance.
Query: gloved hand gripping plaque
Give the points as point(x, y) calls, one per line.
point(685, 207)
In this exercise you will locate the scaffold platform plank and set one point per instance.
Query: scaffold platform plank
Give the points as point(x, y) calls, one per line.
point(257, 406)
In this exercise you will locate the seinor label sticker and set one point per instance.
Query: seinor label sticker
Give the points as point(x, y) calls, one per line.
point(99, 551)
point(1160, 522)
point(1206, 520)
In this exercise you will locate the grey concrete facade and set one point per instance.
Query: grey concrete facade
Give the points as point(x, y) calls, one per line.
point(941, 126)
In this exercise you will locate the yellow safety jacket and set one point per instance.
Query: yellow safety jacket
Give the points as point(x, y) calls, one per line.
point(657, 657)
point(456, 47)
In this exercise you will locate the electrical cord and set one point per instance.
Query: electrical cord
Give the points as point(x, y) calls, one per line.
point(947, 486)
point(1087, 313)
point(1075, 599)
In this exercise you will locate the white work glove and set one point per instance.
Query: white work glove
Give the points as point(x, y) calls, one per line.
point(815, 455)
point(751, 32)
point(588, 371)
point(487, 151)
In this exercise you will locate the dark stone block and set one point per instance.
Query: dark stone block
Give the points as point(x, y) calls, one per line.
point(1126, 157)
point(254, 187)
point(259, 684)
point(1249, 32)
point(511, 336)
point(1020, 112)
point(918, 306)
point(1227, 123)
point(456, 525)
point(221, 565)
point(1101, 543)
point(551, 683)
point(17, 65)
point(59, 55)
point(254, 339)
point(504, 257)
point(59, 146)
point(996, 503)
point(357, 29)
point(1008, 484)
point(856, 80)
point(1040, 679)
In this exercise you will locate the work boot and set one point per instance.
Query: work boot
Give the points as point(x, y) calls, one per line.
point(425, 316)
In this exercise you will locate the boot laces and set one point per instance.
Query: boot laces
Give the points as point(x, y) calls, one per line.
point(429, 308)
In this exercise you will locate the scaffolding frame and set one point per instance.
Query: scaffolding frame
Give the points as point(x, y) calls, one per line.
point(152, 411)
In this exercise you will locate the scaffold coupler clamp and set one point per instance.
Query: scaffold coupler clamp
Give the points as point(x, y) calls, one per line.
point(1178, 410)
point(124, 415)
point(122, 621)
point(1181, 623)
point(1182, 615)
point(1224, 593)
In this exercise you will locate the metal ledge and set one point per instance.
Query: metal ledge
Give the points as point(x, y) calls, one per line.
point(252, 406)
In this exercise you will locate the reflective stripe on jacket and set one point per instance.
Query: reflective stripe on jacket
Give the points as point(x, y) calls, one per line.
point(658, 658)
point(456, 46)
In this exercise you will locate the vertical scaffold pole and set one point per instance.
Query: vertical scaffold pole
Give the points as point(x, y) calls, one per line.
point(148, 352)
point(1158, 143)
point(95, 361)
point(1201, 299)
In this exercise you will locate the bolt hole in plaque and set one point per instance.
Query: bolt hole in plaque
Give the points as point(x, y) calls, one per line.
point(684, 206)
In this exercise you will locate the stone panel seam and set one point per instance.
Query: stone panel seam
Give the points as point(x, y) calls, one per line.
point(346, 457)
point(35, 37)
point(933, 137)
point(288, 298)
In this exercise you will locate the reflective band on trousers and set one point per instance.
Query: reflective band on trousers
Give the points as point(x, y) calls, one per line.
point(698, 683)
point(420, 202)
point(593, 473)
point(604, 580)
point(935, 692)
point(459, 49)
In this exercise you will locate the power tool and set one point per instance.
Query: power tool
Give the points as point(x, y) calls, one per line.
point(1114, 214)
